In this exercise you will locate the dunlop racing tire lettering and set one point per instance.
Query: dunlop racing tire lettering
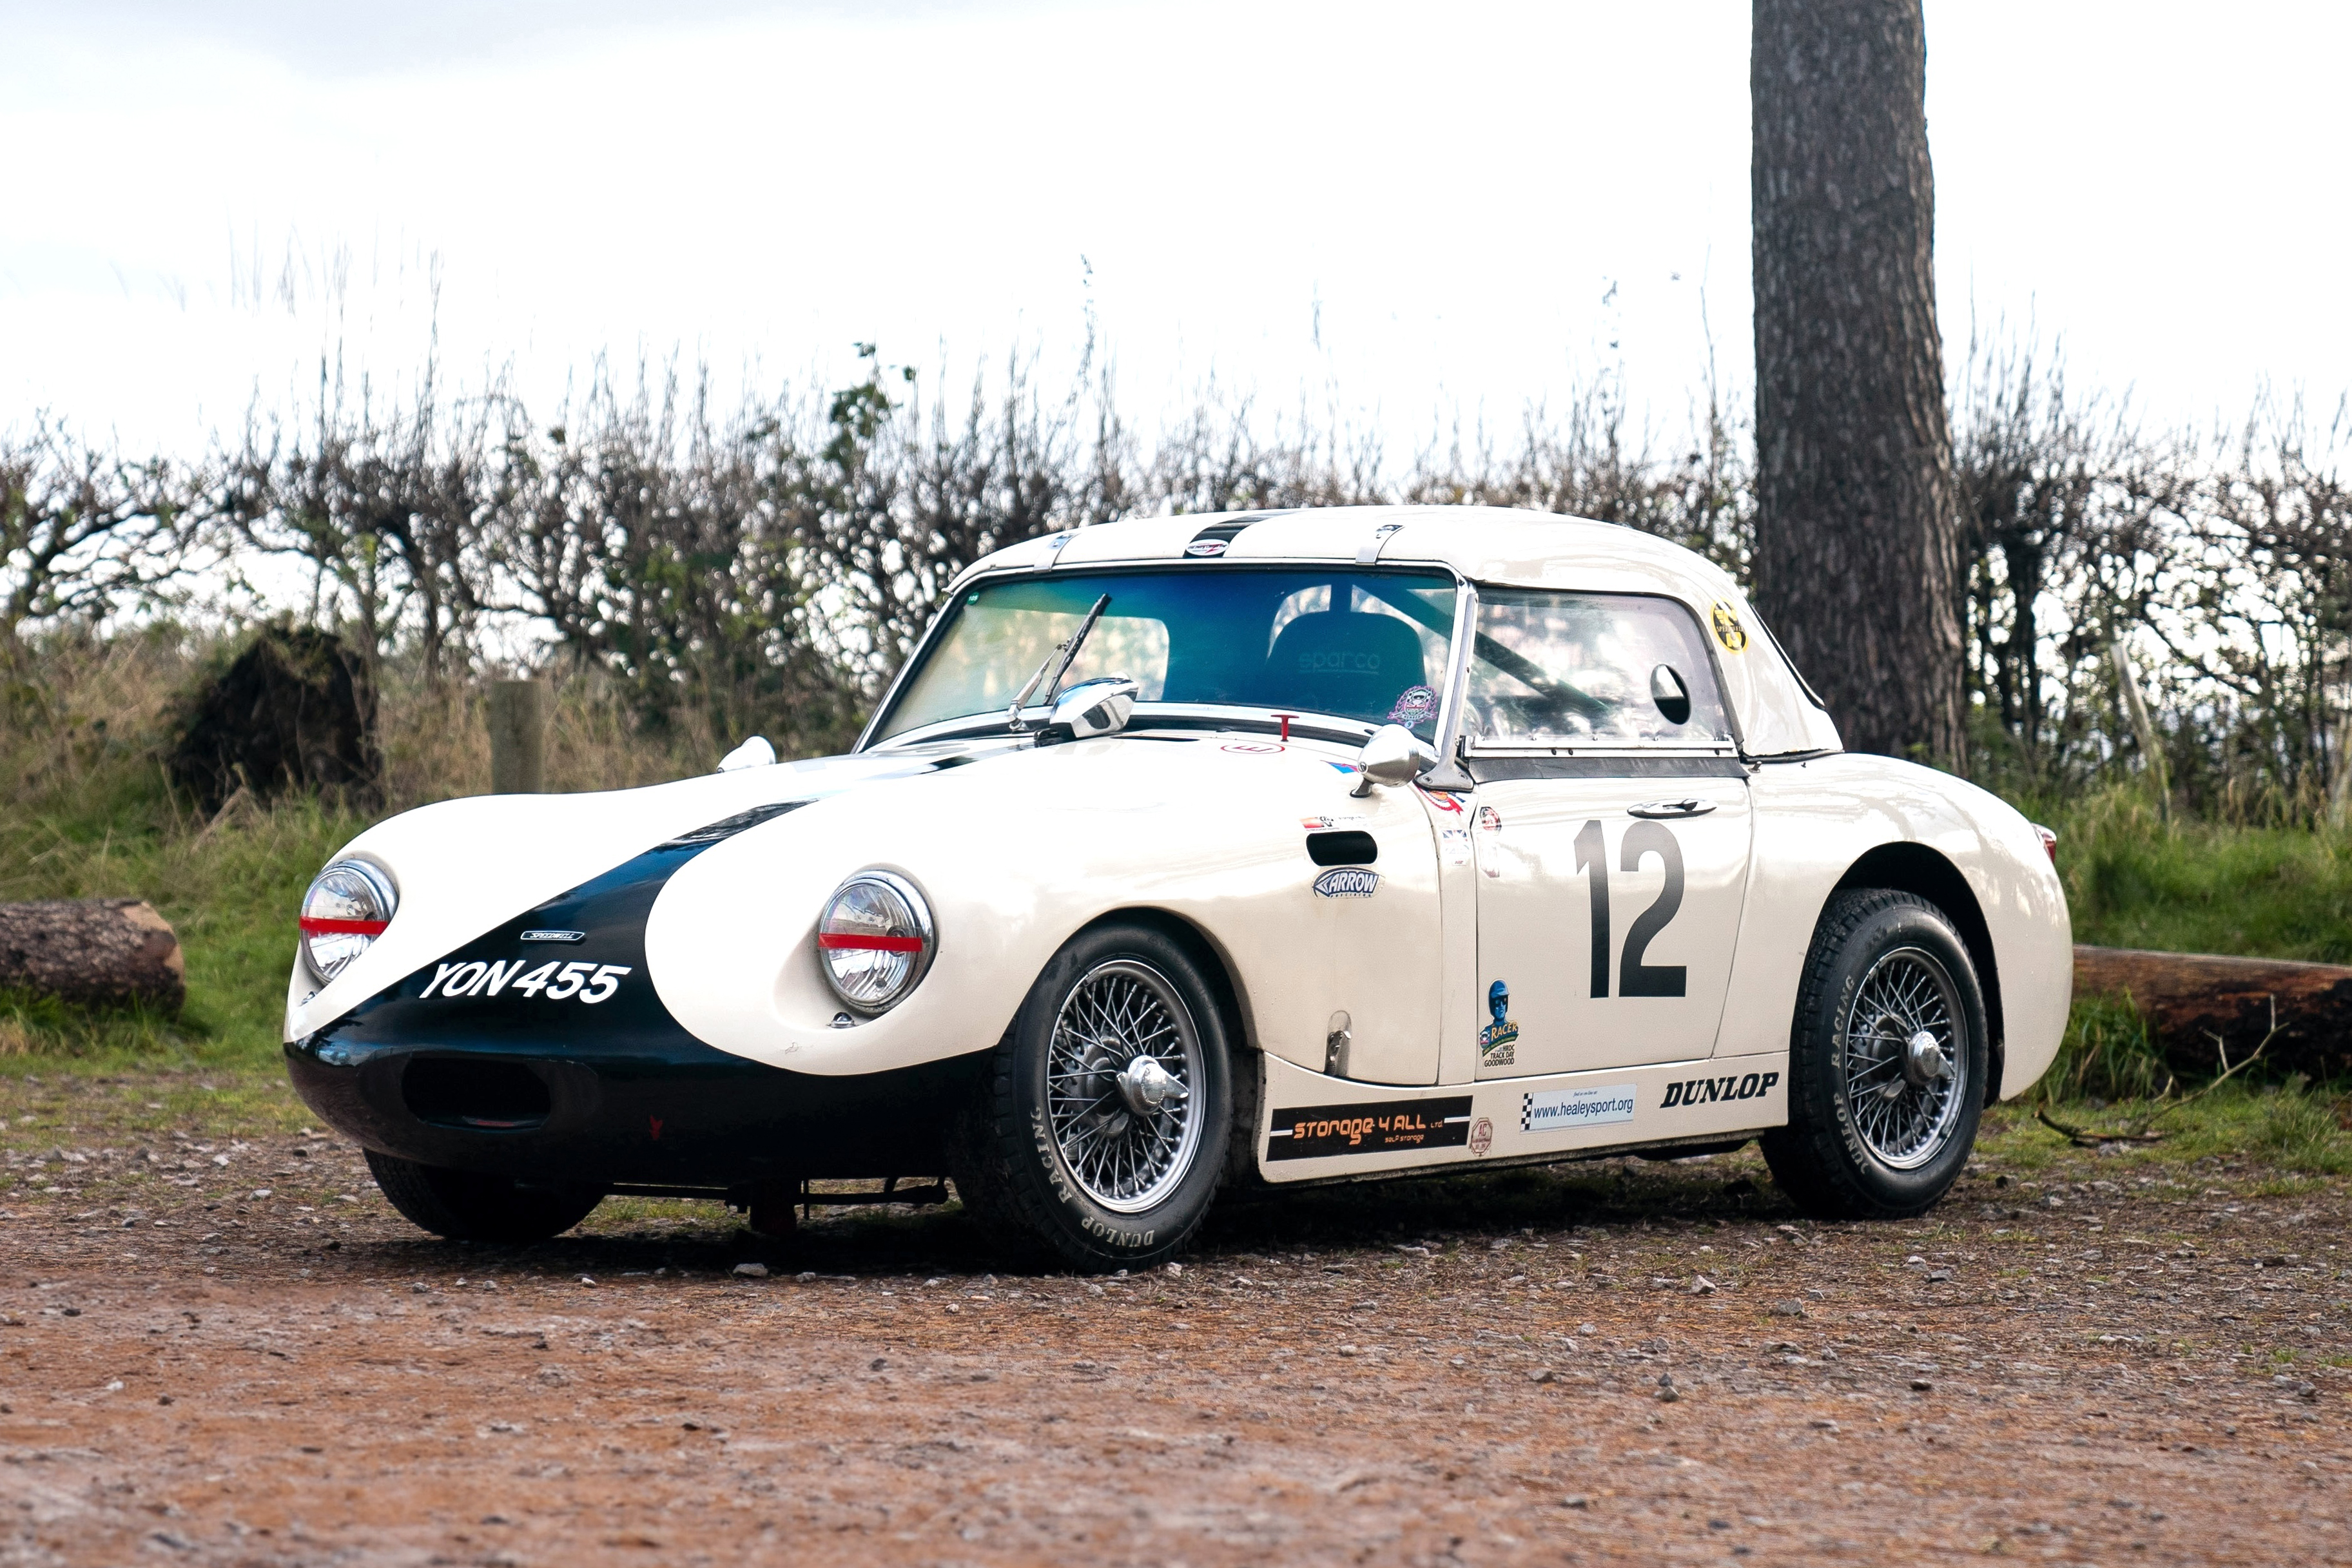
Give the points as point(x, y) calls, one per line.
point(1005, 1151)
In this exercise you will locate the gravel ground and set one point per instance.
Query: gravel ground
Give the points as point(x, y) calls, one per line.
point(223, 1351)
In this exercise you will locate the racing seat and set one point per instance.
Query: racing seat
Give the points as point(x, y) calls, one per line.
point(1345, 662)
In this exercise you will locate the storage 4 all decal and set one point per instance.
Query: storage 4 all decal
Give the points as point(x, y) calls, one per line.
point(1556, 1110)
point(1312, 1132)
point(1498, 1041)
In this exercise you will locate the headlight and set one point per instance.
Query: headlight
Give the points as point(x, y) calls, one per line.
point(875, 941)
point(347, 908)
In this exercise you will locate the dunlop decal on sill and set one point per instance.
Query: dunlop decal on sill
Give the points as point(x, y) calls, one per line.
point(1702, 1091)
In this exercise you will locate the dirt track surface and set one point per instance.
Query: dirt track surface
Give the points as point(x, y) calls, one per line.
point(2080, 1364)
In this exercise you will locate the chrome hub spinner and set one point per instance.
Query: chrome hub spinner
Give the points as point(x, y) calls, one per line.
point(1125, 1058)
point(1923, 1060)
point(1146, 1086)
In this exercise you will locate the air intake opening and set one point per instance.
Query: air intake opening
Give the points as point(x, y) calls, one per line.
point(1342, 849)
point(484, 1093)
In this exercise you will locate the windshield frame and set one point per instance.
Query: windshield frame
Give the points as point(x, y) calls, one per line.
point(1306, 724)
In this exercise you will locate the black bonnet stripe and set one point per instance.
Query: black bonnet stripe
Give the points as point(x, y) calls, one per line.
point(1223, 532)
point(728, 826)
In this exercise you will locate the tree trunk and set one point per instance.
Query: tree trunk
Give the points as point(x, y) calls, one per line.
point(1857, 525)
point(93, 951)
point(2191, 1000)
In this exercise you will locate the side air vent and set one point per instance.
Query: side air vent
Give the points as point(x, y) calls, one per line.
point(1342, 849)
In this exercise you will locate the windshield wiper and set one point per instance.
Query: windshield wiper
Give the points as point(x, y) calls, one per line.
point(1067, 652)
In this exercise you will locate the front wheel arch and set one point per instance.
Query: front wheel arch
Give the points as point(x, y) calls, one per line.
point(1009, 1152)
point(1247, 1076)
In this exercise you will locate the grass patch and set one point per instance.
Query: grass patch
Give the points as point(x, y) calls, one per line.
point(2295, 1131)
point(2135, 881)
point(2108, 1055)
point(230, 889)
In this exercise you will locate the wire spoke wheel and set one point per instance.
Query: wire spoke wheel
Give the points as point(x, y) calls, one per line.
point(1124, 1077)
point(1905, 1058)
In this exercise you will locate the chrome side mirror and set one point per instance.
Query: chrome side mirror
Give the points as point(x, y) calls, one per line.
point(1393, 755)
point(1094, 709)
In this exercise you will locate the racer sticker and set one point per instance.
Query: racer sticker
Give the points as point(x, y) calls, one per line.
point(1454, 843)
point(1347, 882)
point(555, 979)
point(1706, 1091)
point(1314, 1131)
point(1253, 748)
point(1205, 546)
point(1498, 1041)
point(1553, 1110)
point(1482, 1136)
point(1440, 798)
point(1327, 825)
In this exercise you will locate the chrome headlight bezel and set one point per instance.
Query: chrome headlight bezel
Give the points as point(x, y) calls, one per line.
point(346, 907)
point(875, 941)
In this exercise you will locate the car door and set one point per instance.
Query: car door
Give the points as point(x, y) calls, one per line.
point(1612, 831)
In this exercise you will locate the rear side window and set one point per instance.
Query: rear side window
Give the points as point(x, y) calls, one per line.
point(1589, 670)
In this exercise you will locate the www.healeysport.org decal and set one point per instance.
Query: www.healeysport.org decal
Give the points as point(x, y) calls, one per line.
point(1311, 1131)
point(1551, 1110)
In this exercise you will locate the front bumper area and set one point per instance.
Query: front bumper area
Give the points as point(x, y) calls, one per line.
point(685, 1115)
point(578, 1082)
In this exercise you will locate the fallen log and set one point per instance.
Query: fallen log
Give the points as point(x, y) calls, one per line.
point(105, 952)
point(2197, 1003)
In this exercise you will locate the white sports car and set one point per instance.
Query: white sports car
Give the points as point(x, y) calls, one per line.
point(1282, 847)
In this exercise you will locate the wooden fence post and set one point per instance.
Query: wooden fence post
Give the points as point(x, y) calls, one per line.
point(518, 738)
point(2151, 749)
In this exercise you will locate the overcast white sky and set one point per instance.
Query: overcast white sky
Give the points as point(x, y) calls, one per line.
point(1410, 208)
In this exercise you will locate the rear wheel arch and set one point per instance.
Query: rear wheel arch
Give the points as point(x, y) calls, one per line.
point(1927, 874)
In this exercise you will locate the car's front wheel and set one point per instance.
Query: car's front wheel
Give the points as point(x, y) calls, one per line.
point(1887, 1061)
point(1098, 1132)
point(468, 1206)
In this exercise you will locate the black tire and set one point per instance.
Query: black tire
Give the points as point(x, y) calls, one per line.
point(1848, 1150)
point(1022, 1159)
point(467, 1206)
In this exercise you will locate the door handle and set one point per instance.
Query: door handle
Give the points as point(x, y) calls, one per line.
point(1671, 809)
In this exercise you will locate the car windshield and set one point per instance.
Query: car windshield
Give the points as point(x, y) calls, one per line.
point(1356, 643)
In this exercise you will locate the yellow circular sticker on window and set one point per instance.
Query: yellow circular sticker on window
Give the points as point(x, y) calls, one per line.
point(1727, 629)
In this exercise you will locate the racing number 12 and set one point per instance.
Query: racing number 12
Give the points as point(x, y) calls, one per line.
point(1634, 978)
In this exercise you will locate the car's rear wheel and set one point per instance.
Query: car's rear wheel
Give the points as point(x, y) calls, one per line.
point(1098, 1133)
point(1887, 1061)
point(467, 1205)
